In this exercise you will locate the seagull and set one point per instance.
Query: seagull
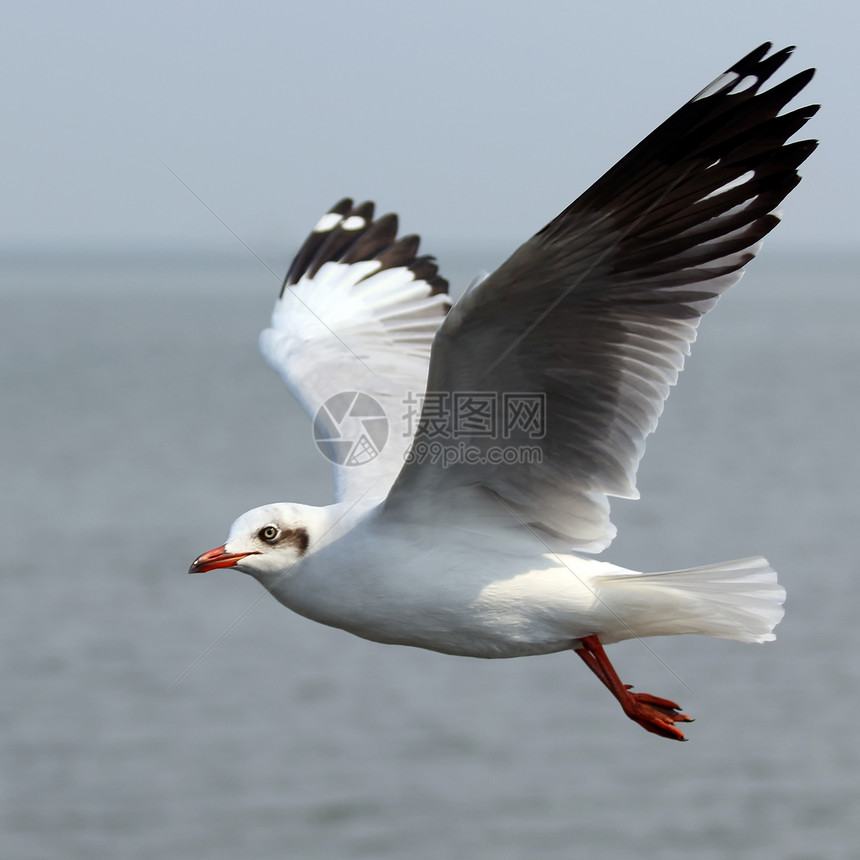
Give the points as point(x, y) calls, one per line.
point(476, 444)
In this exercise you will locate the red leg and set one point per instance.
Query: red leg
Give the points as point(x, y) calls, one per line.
point(653, 714)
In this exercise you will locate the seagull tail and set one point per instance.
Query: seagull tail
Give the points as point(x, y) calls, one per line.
point(739, 600)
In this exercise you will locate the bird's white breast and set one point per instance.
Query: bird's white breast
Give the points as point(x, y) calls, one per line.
point(471, 595)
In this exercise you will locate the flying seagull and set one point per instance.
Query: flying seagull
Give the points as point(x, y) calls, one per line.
point(476, 444)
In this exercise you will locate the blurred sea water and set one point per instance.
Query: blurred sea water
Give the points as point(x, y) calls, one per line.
point(146, 713)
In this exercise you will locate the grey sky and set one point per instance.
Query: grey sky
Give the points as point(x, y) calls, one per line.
point(477, 122)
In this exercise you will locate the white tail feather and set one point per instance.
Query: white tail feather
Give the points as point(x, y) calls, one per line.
point(739, 600)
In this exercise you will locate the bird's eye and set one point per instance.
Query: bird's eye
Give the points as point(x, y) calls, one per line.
point(269, 533)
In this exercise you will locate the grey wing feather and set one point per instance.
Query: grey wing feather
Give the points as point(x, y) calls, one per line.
point(597, 312)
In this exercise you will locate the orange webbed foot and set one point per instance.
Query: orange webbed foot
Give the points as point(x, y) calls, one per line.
point(655, 715)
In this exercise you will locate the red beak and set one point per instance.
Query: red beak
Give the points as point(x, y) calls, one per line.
point(216, 558)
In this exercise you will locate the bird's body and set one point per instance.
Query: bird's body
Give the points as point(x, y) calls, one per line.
point(498, 593)
point(476, 445)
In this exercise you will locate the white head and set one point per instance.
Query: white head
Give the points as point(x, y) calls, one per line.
point(267, 541)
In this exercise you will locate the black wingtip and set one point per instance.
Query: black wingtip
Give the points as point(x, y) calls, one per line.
point(759, 67)
point(342, 206)
point(349, 234)
point(752, 58)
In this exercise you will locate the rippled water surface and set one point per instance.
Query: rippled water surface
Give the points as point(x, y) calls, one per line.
point(138, 421)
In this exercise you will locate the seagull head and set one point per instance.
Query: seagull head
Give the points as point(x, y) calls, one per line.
point(264, 542)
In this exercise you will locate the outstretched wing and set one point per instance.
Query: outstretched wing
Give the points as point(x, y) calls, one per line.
point(592, 318)
point(351, 335)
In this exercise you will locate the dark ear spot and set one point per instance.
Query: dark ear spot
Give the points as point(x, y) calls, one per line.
point(300, 539)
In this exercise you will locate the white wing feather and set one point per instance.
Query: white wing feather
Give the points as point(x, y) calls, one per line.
point(359, 325)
